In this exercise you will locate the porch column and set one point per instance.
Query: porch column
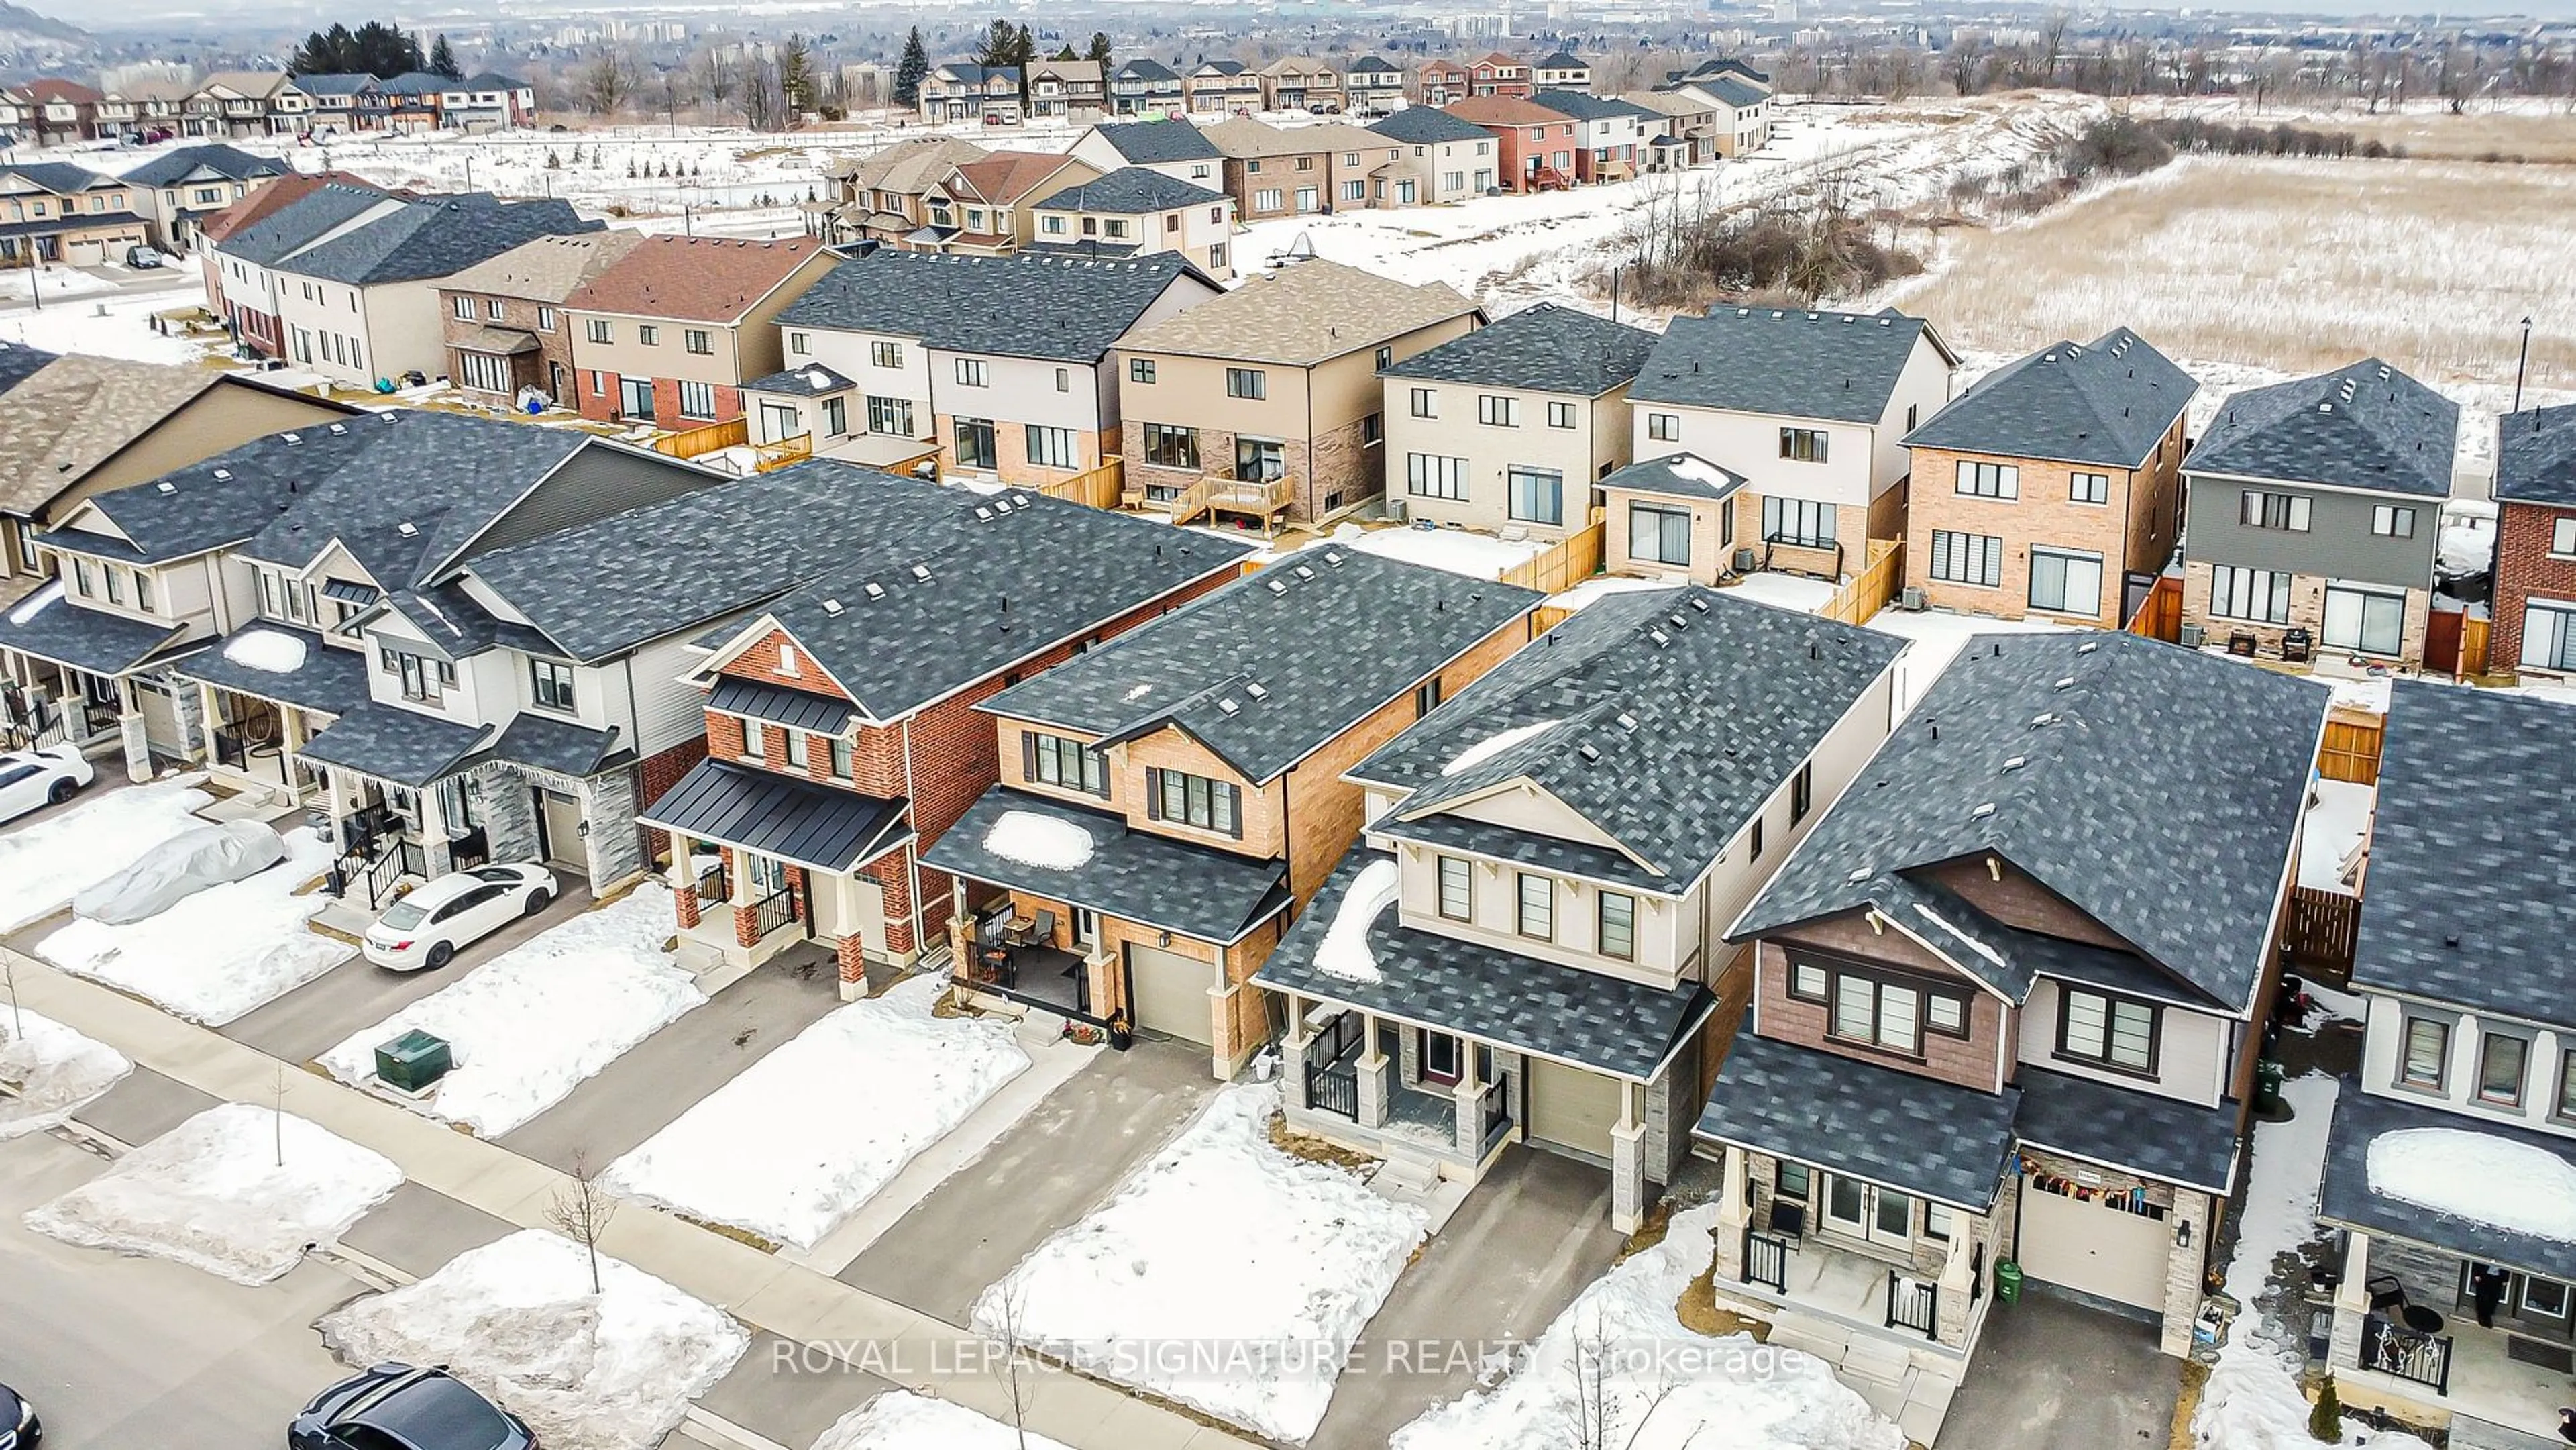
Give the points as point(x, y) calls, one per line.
point(208, 718)
point(1950, 1310)
point(291, 737)
point(1373, 1069)
point(2185, 1269)
point(746, 921)
point(1470, 1093)
point(129, 729)
point(1292, 1054)
point(684, 883)
point(437, 857)
point(1726, 1265)
point(1628, 1164)
point(2351, 1307)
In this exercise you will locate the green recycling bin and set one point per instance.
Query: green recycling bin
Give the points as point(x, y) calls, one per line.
point(2267, 1086)
point(2007, 1282)
point(414, 1061)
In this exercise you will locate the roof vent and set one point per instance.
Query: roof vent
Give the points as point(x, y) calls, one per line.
point(1274, 586)
point(1228, 706)
point(169, 487)
point(1679, 622)
point(1000, 506)
point(2088, 647)
point(2044, 717)
point(1333, 557)
point(1626, 720)
point(1659, 637)
point(408, 529)
point(1305, 573)
point(921, 572)
point(223, 474)
point(1884, 322)
point(1257, 690)
point(2015, 762)
point(2325, 407)
point(339, 428)
point(984, 513)
point(1699, 603)
point(832, 606)
point(1857, 875)
point(292, 438)
point(1020, 500)
point(1982, 811)
point(2064, 682)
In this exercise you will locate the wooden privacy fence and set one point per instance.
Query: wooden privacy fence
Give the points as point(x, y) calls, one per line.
point(1101, 488)
point(2320, 929)
point(690, 442)
point(2351, 747)
point(1564, 564)
point(1869, 590)
point(2159, 615)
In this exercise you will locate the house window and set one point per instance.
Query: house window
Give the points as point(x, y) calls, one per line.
point(886, 354)
point(550, 684)
point(1538, 906)
point(599, 330)
point(1797, 521)
point(1426, 404)
point(1246, 383)
point(2567, 1084)
point(1794, 1183)
point(1876, 1013)
point(891, 416)
point(1140, 370)
point(1064, 380)
point(2368, 621)
point(1537, 495)
point(1617, 929)
point(1967, 558)
point(1457, 888)
point(1170, 447)
point(492, 309)
point(1354, 191)
point(1938, 1222)
point(2562, 536)
point(545, 319)
point(2259, 509)
point(797, 752)
point(648, 334)
point(1496, 411)
point(800, 343)
point(1262, 459)
point(1981, 480)
point(1385, 357)
point(1659, 534)
point(1306, 195)
point(483, 372)
point(1440, 1058)
point(143, 591)
point(972, 373)
point(1372, 430)
point(1806, 445)
point(2426, 1058)
point(836, 417)
point(1429, 475)
point(1061, 761)
point(755, 744)
point(115, 585)
point(1195, 800)
point(975, 444)
point(1267, 198)
point(1802, 792)
point(1053, 448)
point(2111, 1031)
point(1426, 697)
point(697, 400)
point(2088, 487)
point(2501, 1062)
point(463, 307)
point(2259, 595)
point(2549, 635)
point(2390, 521)
point(423, 678)
point(1560, 415)
point(839, 762)
point(2065, 581)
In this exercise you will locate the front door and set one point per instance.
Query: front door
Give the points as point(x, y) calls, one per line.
point(635, 399)
point(1868, 1212)
point(561, 817)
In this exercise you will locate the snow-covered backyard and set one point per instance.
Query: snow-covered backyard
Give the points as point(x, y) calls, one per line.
point(44, 865)
point(517, 1320)
point(803, 1138)
point(2333, 830)
point(1478, 556)
point(902, 1420)
point(238, 1190)
point(48, 1071)
point(118, 325)
point(1620, 1357)
point(1224, 1274)
point(1938, 635)
point(528, 1026)
point(220, 952)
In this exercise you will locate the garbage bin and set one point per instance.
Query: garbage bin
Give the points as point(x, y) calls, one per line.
point(2267, 1085)
point(2007, 1282)
point(414, 1062)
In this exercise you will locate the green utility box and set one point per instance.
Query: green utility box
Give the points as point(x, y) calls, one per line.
point(2007, 1282)
point(414, 1062)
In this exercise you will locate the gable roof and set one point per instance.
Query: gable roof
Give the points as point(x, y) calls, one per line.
point(1150, 142)
point(1505, 111)
point(58, 88)
point(1547, 348)
point(1428, 125)
point(19, 362)
point(1584, 106)
point(2157, 789)
point(547, 269)
point(267, 240)
point(2108, 402)
point(1131, 191)
point(2465, 898)
point(60, 177)
point(1070, 309)
point(2366, 426)
point(1563, 60)
point(1842, 366)
point(1272, 667)
point(1734, 90)
point(222, 500)
point(431, 238)
point(1676, 475)
point(1004, 177)
point(215, 158)
point(339, 84)
point(693, 279)
point(1144, 68)
point(1070, 70)
point(908, 166)
point(247, 82)
point(1241, 138)
point(76, 412)
point(489, 80)
point(1669, 103)
point(1667, 718)
point(1374, 64)
point(1302, 315)
point(2536, 456)
point(1227, 68)
point(275, 197)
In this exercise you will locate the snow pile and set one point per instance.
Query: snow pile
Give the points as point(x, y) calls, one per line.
point(48, 1072)
point(2370, 695)
point(219, 953)
point(1478, 556)
point(516, 1320)
point(1938, 639)
point(1787, 591)
point(1698, 470)
point(1344, 951)
point(37, 603)
point(528, 1026)
point(1661, 1387)
point(1493, 745)
point(211, 1194)
point(2468, 538)
point(2333, 832)
point(902, 1420)
point(45, 865)
point(271, 650)
point(803, 1138)
point(1221, 1242)
point(1602, 586)
point(1046, 842)
point(2480, 1177)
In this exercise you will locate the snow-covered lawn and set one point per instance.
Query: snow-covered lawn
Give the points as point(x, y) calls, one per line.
point(1221, 1243)
point(1660, 1386)
point(902, 1420)
point(212, 1194)
point(219, 953)
point(2334, 829)
point(48, 1072)
point(114, 326)
point(50, 283)
point(1478, 556)
point(1938, 638)
point(45, 865)
point(528, 1026)
point(1600, 587)
point(517, 1320)
point(1788, 591)
point(803, 1138)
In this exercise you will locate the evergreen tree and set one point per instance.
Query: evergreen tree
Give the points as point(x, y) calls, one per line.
point(1099, 50)
point(1067, 53)
point(375, 49)
point(442, 60)
point(2325, 1417)
point(796, 79)
point(910, 70)
point(1000, 44)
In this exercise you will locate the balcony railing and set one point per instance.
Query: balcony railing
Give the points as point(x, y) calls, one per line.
point(1913, 1304)
point(2393, 1349)
point(1766, 1259)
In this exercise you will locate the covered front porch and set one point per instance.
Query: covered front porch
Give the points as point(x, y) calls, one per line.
point(261, 693)
point(89, 677)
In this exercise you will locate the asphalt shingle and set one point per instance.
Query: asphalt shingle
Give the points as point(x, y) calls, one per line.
point(1547, 349)
point(1048, 307)
point(1902, 1129)
point(85, 639)
point(2120, 1127)
point(1151, 143)
point(2536, 456)
point(2107, 403)
point(1428, 126)
point(1677, 475)
point(2346, 1197)
point(333, 681)
point(1210, 895)
point(2366, 426)
point(1131, 191)
point(1841, 366)
point(389, 742)
point(213, 159)
point(432, 238)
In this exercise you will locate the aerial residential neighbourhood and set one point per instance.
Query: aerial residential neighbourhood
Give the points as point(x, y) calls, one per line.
point(1369, 726)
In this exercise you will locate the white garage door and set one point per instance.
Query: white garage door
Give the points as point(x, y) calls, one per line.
point(88, 253)
point(1168, 992)
point(1572, 1108)
point(2105, 1252)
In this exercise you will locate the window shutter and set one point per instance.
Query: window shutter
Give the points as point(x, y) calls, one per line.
point(1153, 794)
point(1028, 756)
point(1233, 811)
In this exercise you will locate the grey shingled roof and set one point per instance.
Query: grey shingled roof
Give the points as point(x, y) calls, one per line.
point(1902, 1129)
point(2108, 403)
point(2536, 456)
point(433, 238)
point(2346, 1197)
point(1585, 107)
point(1564, 60)
point(266, 241)
point(1611, 1024)
point(1528, 848)
point(391, 743)
point(1130, 191)
point(1841, 366)
point(230, 162)
point(1270, 668)
point(85, 639)
point(1677, 475)
point(2161, 796)
point(333, 681)
point(19, 362)
point(808, 380)
point(2120, 1127)
point(1156, 142)
point(1211, 895)
point(1428, 125)
point(1741, 94)
point(1145, 69)
point(57, 176)
point(2466, 895)
point(1547, 348)
point(1677, 714)
point(229, 498)
point(1070, 309)
point(804, 821)
point(2366, 426)
point(562, 747)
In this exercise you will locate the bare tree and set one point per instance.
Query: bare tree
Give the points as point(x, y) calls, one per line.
point(581, 1210)
point(2052, 44)
point(1010, 1302)
point(1597, 1393)
point(719, 71)
point(1901, 73)
point(1963, 62)
point(607, 82)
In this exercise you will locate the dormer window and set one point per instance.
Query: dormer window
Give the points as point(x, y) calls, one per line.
point(2108, 1031)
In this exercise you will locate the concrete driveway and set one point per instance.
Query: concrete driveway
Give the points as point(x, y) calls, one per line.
point(1051, 1168)
point(2051, 1374)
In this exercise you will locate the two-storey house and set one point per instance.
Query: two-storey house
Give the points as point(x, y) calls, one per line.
point(1500, 75)
point(1071, 89)
point(1506, 429)
point(883, 196)
point(1169, 799)
point(843, 739)
point(53, 211)
point(958, 91)
point(1610, 134)
point(1174, 147)
point(1562, 70)
point(1440, 159)
point(1536, 146)
point(1142, 87)
point(173, 190)
point(1372, 85)
point(2008, 1001)
point(345, 103)
point(240, 246)
point(1742, 110)
point(2054, 486)
point(1135, 212)
point(53, 111)
point(1265, 402)
point(2448, 1160)
point(1810, 408)
point(412, 102)
point(670, 332)
point(241, 104)
point(1222, 88)
point(1437, 83)
point(1273, 171)
point(144, 110)
point(1301, 83)
point(982, 208)
point(1520, 953)
point(487, 101)
point(1687, 116)
point(2314, 513)
point(504, 320)
point(2534, 600)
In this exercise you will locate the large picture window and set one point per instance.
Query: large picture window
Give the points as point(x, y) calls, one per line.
point(1170, 447)
point(2366, 621)
point(2110, 1031)
point(1061, 761)
point(1537, 495)
point(1797, 521)
point(1967, 558)
point(1429, 475)
point(1659, 534)
point(1989, 480)
point(2065, 581)
point(890, 417)
point(2258, 595)
point(2549, 635)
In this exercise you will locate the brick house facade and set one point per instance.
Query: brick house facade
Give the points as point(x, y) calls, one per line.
point(2535, 554)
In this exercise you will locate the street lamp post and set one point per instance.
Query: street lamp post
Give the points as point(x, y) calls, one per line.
point(2521, 364)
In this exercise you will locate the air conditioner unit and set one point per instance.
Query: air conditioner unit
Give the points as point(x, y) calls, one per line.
point(1912, 599)
point(1396, 512)
point(2192, 635)
point(1744, 561)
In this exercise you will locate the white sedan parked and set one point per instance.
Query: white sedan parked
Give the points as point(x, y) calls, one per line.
point(424, 930)
point(33, 778)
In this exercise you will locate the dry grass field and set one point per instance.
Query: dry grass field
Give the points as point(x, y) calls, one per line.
point(2290, 265)
point(2530, 129)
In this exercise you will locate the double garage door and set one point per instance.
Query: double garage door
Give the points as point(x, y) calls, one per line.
point(1570, 1108)
point(2093, 1249)
point(1168, 993)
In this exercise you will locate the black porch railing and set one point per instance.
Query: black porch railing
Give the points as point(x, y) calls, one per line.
point(232, 750)
point(712, 887)
point(1333, 1087)
point(1913, 1304)
point(2393, 1349)
point(470, 850)
point(773, 911)
point(381, 874)
point(1766, 1259)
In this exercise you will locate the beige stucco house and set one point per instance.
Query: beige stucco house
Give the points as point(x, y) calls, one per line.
point(1134, 212)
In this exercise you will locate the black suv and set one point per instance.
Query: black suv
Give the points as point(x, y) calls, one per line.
point(397, 1407)
point(19, 1428)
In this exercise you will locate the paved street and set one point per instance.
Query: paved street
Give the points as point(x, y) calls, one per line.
point(127, 283)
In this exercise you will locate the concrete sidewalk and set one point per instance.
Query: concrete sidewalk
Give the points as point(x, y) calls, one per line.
point(787, 1300)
